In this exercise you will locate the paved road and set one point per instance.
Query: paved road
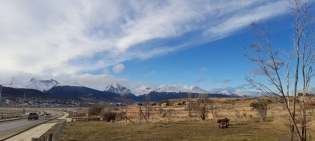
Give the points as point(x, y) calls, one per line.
point(38, 131)
point(4, 126)
point(16, 126)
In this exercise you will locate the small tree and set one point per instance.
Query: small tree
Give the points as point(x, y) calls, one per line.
point(202, 101)
point(261, 107)
point(95, 109)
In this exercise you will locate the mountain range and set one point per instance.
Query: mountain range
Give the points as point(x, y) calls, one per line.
point(112, 92)
point(41, 85)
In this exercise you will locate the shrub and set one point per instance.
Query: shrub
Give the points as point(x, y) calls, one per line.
point(109, 116)
point(261, 107)
point(95, 109)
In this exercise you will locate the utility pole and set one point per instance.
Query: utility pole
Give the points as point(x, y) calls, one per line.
point(35, 104)
point(189, 104)
point(24, 98)
point(0, 94)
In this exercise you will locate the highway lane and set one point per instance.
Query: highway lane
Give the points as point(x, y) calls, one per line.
point(10, 125)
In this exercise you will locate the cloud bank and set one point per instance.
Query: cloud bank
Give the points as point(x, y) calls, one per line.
point(71, 38)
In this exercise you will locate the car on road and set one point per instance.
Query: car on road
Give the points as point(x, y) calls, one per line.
point(32, 116)
point(47, 115)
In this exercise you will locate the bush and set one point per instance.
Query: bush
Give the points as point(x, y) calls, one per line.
point(109, 116)
point(95, 109)
point(261, 107)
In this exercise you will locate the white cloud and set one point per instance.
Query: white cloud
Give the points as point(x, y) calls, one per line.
point(216, 81)
point(118, 68)
point(221, 81)
point(200, 80)
point(64, 38)
point(106, 71)
point(204, 70)
point(150, 73)
point(226, 80)
point(243, 18)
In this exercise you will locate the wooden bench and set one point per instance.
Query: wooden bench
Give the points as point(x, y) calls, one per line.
point(223, 123)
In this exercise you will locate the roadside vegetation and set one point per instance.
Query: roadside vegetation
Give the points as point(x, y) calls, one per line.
point(173, 123)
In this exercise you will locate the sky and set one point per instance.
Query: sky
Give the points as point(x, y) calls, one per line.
point(136, 42)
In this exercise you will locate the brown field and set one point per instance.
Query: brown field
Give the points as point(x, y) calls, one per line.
point(172, 123)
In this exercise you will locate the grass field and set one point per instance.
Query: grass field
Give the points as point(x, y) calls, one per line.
point(183, 131)
point(246, 124)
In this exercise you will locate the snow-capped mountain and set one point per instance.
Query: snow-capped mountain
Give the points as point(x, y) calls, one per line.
point(13, 83)
point(116, 88)
point(45, 85)
point(178, 89)
point(142, 90)
point(226, 92)
point(243, 93)
point(195, 89)
point(239, 92)
point(42, 85)
point(75, 84)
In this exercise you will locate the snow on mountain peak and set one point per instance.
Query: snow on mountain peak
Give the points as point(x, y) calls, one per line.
point(13, 83)
point(178, 89)
point(239, 92)
point(42, 85)
point(76, 84)
point(194, 89)
point(116, 88)
point(226, 92)
point(142, 90)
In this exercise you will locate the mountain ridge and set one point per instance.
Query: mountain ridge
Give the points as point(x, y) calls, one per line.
point(46, 85)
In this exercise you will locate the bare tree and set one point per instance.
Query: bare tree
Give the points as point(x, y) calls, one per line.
point(202, 101)
point(147, 99)
point(189, 102)
point(274, 64)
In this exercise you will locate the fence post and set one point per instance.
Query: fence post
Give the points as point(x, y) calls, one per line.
point(50, 137)
point(35, 139)
point(57, 136)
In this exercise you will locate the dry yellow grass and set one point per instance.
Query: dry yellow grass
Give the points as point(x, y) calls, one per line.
point(246, 124)
point(186, 131)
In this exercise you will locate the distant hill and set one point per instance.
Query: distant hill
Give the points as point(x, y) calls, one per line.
point(80, 91)
point(113, 93)
point(19, 92)
point(158, 96)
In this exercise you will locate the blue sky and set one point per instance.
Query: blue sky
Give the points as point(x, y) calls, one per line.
point(217, 64)
point(136, 43)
